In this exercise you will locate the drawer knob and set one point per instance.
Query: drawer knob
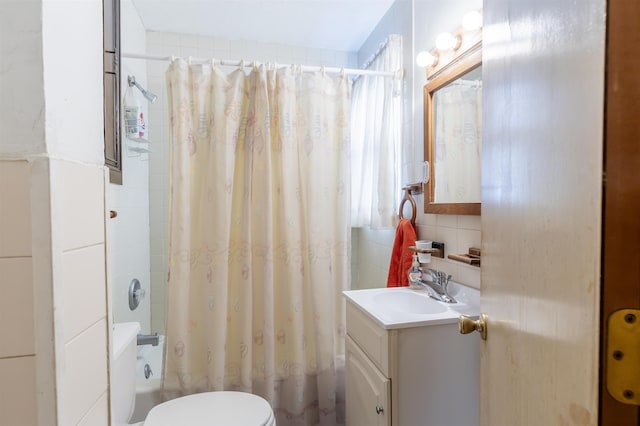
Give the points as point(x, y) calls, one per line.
point(379, 410)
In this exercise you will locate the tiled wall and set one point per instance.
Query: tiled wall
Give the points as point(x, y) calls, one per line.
point(457, 232)
point(167, 44)
point(17, 351)
point(128, 233)
point(53, 315)
point(79, 298)
point(52, 265)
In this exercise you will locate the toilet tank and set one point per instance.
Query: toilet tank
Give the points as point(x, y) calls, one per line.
point(123, 371)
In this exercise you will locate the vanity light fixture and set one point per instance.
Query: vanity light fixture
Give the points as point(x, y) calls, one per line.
point(426, 59)
point(472, 20)
point(446, 41)
point(448, 44)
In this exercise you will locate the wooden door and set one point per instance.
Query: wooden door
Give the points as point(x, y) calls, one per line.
point(621, 236)
point(543, 84)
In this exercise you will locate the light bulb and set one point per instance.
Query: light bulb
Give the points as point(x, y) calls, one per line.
point(426, 59)
point(472, 20)
point(446, 41)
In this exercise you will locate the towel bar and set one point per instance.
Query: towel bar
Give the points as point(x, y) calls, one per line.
point(415, 188)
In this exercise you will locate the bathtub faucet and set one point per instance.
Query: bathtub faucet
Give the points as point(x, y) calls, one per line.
point(148, 339)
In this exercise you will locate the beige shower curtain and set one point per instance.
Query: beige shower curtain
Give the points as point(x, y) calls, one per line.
point(259, 236)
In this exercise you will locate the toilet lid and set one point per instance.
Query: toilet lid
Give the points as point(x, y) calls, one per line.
point(213, 408)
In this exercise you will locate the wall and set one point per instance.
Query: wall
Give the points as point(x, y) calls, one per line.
point(457, 232)
point(21, 79)
point(167, 44)
point(128, 233)
point(23, 134)
point(53, 315)
point(17, 352)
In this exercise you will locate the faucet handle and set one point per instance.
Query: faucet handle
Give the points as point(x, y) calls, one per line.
point(434, 274)
point(445, 282)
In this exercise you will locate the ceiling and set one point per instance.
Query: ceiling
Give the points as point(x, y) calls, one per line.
point(342, 25)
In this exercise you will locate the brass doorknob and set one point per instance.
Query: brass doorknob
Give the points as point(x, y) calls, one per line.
point(468, 325)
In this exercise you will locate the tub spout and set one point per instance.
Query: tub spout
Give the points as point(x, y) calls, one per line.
point(148, 339)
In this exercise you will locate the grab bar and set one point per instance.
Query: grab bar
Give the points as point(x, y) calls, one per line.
point(148, 339)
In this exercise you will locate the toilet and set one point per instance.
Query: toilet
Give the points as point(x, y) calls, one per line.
point(224, 408)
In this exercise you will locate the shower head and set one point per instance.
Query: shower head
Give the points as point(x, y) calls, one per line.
point(151, 97)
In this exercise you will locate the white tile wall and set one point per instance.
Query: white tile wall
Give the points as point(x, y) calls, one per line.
point(16, 307)
point(16, 285)
point(17, 351)
point(48, 206)
point(81, 204)
point(83, 276)
point(98, 415)
point(80, 313)
point(167, 44)
point(373, 253)
point(18, 393)
point(15, 222)
point(459, 233)
point(128, 253)
point(43, 287)
point(85, 378)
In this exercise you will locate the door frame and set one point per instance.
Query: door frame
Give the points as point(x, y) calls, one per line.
point(621, 195)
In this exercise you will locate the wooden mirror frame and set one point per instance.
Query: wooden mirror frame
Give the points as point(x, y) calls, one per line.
point(461, 64)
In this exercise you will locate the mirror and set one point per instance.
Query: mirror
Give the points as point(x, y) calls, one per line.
point(453, 135)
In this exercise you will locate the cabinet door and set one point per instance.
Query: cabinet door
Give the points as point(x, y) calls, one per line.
point(368, 393)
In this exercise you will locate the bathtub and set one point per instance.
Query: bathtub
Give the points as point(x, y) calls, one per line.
point(148, 395)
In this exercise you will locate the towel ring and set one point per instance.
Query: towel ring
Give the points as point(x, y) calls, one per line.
point(415, 188)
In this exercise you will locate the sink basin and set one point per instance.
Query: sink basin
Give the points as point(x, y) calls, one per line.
point(410, 302)
point(401, 307)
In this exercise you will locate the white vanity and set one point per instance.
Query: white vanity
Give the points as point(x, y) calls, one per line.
point(406, 363)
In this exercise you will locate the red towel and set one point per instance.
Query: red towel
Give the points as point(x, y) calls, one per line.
point(401, 257)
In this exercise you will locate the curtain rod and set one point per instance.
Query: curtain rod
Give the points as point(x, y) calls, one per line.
point(373, 57)
point(235, 63)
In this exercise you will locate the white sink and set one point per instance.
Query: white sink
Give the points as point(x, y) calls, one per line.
point(409, 302)
point(402, 307)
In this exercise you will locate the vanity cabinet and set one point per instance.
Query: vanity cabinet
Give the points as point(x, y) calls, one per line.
point(424, 375)
point(370, 391)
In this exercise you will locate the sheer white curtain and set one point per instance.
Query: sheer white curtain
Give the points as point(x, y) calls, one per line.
point(259, 236)
point(458, 141)
point(376, 138)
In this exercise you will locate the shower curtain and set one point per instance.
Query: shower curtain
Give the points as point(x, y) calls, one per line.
point(458, 141)
point(259, 236)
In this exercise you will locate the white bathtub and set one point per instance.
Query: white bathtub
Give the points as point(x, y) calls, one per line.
point(148, 389)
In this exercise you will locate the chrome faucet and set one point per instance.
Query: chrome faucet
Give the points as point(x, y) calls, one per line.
point(438, 285)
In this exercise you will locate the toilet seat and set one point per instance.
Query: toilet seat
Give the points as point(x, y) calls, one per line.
point(225, 408)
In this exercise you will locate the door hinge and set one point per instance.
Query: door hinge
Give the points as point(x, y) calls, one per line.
point(623, 356)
